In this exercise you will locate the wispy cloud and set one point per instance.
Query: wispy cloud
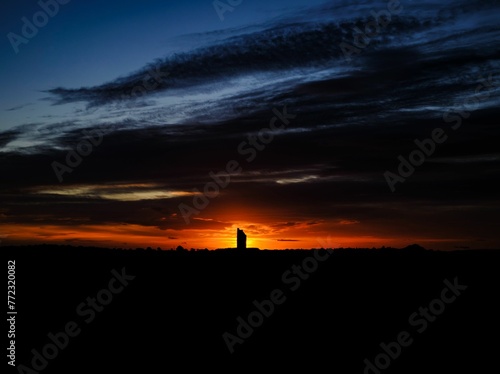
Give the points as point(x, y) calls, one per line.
point(18, 107)
point(119, 192)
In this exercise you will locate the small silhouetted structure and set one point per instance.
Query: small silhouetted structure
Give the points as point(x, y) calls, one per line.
point(241, 244)
point(241, 239)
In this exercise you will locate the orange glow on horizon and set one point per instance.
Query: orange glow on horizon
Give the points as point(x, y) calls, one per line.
point(136, 236)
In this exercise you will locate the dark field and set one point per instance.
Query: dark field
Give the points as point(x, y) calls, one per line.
point(172, 316)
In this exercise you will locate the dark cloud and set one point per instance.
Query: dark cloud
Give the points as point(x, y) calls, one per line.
point(279, 47)
point(7, 136)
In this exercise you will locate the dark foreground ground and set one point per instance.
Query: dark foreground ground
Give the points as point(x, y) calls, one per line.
point(172, 316)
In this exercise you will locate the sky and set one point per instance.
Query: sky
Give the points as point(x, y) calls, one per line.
point(306, 123)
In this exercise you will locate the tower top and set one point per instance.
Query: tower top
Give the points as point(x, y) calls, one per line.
point(241, 239)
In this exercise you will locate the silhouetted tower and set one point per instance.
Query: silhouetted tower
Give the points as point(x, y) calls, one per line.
point(241, 239)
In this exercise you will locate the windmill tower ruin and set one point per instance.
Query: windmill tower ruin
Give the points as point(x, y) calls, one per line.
point(241, 239)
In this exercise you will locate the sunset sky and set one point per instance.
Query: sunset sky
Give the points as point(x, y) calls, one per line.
point(167, 94)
